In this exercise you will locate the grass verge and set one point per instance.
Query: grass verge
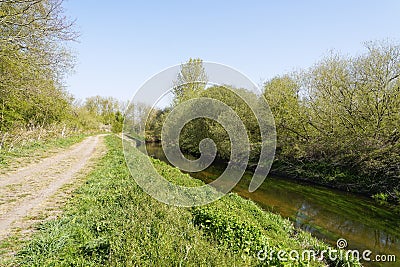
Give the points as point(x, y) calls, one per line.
point(35, 150)
point(111, 221)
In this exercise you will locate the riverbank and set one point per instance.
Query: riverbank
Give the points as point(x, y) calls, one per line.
point(111, 221)
point(314, 174)
point(330, 176)
point(329, 214)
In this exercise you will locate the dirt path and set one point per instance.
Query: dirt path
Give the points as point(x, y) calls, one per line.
point(27, 192)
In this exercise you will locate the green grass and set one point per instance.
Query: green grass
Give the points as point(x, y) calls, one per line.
point(111, 221)
point(36, 149)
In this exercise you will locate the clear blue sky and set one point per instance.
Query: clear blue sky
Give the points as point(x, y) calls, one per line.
point(123, 43)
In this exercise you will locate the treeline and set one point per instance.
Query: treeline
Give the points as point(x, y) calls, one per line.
point(192, 83)
point(34, 58)
point(337, 122)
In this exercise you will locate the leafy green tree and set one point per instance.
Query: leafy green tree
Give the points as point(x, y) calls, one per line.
point(284, 99)
point(154, 123)
point(103, 108)
point(191, 81)
point(117, 124)
point(232, 98)
point(33, 61)
point(338, 121)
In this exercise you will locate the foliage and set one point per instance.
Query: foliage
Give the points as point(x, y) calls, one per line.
point(338, 121)
point(103, 113)
point(33, 60)
point(117, 123)
point(190, 82)
point(142, 121)
point(201, 128)
point(155, 123)
point(381, 198)
point(103, 108)
point(232, 97)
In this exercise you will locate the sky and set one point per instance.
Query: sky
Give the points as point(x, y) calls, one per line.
point(123, 43)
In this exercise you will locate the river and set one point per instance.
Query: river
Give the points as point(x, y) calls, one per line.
point(326, 213)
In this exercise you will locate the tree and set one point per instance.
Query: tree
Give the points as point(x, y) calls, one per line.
point(338, 122)
point(37, 28)
point(356, 100)
point(117, 124)
point(33, 60)
point(191, 81)
point(283, 96)
point(106, 110)
point(232, 97)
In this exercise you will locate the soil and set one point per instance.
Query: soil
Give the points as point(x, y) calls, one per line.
point(37, 192)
